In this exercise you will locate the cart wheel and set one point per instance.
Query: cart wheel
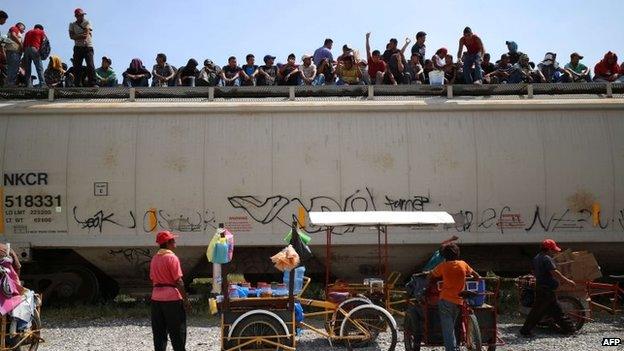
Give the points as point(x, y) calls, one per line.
point(368, 323)
point(259, 325)
point(574, 310)
point(412, 330)
point(347, 306)
point(29, 339)
point(473, 334)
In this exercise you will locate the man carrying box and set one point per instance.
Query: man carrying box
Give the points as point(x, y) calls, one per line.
point(547, 279)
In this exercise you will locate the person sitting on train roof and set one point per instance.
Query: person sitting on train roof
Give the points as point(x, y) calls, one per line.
point(514, 54)
point(523, 72)
point(105, 75)
point(607, 70)
point(230, 73)
point(502, 72)
point(547, 279)
point(289, 73)
point(450, 70)
point(621, 79)
point(487, 66)
point(550, 68)
point(427, 68)
point(209, 74)
point(249, 71)
point(163, 74)
point(136, 75)
point(54, 75)
point(453, 273)
point(309, 75)
point(575, 70)
point(267, 73)
point(377, 68)
point(348, 73)
point(414, 70)
point(188, 73)
point(438, 59)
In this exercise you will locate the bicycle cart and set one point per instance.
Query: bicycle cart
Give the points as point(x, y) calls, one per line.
point(13, 337)
point(269, 322)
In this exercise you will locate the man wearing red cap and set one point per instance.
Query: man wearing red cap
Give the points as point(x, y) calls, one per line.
point(547, 279)
point(81, 33)
point(169, 300)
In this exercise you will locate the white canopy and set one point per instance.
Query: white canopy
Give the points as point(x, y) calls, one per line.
point(374, 218)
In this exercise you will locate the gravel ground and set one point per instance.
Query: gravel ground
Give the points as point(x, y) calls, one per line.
point(135, 334)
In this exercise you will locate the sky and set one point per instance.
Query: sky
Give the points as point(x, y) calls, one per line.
point(218, 29)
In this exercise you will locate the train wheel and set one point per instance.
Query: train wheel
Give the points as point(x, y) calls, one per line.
point(259, 325)
point(84, 289)
point(366, 324)
point(473, 334)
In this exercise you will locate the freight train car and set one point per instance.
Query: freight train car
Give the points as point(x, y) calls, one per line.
point(88, 183)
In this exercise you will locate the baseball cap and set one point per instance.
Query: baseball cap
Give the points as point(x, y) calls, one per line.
point(104, 58)
point(208, 62)
point(550, 244)
point(291, 56)
point(577, 55)
point(346, 47)
point(268, 57)
point(304, 57)
point(164, 236)
point(79, 11)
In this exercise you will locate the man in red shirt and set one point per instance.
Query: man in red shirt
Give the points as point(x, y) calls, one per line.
point(377, 68)
point(32, 44)
point(169, 300)
point(607, 70)
point(474, 53)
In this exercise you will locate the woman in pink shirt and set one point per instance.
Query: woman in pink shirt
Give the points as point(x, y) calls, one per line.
point(169, 300)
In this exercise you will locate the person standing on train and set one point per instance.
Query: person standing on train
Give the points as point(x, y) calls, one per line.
point(169, 300)
point(547, 279)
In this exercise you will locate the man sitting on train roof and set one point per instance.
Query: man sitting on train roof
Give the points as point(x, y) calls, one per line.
point(453, 273)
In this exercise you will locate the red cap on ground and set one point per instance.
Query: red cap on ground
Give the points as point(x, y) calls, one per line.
point(79, 11)
point(550, 244)
point(164, 236)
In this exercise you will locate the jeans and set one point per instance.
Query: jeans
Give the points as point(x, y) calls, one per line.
point(546, 305)
point(318, 80)
point(13, 59)
point(448, 316)
point(169, 318)
point(86, 53)
point(469, 61)
point(32, 55)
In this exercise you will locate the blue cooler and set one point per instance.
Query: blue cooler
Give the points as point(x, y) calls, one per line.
point(478, 287)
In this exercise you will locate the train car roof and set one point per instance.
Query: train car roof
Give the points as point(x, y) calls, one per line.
point(380, 218)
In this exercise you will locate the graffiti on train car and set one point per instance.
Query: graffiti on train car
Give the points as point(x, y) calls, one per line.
point(138, 258)
point(99, 218)
point(196, 222)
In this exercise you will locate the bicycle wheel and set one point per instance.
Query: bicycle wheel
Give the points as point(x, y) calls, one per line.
point(367, 324)
point(473, 334)
point(258, 325)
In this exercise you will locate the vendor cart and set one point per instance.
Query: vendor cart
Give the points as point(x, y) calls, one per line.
point(269, 322)
point(479, 321)
point(18, 337)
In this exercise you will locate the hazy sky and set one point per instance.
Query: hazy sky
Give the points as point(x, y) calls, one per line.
point(217, 29)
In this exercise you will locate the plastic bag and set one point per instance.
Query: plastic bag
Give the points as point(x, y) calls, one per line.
point(221, 251)
point(300, 247)
point(287, 258)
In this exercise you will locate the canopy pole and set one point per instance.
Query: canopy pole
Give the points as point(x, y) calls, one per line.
point(327, 260)
point(386, 252)
point(379, 268)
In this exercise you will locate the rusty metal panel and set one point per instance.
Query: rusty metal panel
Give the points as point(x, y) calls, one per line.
point(35, 182)
point(169, 175)
point(101, 175)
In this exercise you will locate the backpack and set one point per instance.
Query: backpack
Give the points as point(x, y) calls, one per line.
point(44, 50)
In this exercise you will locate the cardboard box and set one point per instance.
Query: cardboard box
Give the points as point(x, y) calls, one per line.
point(579, 266)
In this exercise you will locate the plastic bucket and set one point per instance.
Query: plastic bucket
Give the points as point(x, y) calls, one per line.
point(436, 78)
